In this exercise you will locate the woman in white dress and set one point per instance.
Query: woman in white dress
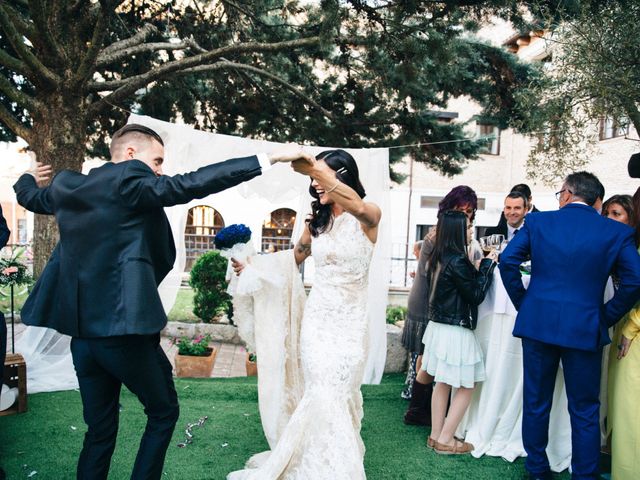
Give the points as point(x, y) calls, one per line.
point(322, 439)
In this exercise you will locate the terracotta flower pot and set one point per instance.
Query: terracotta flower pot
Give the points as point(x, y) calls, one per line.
point(252, 367)
point(192, 366)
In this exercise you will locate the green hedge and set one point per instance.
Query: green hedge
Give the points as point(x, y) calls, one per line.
point(207, 279)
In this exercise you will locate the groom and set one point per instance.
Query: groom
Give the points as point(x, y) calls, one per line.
point(561, 316)
point(100, 284)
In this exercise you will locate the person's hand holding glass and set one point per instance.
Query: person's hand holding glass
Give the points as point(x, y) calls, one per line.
point(491, 244)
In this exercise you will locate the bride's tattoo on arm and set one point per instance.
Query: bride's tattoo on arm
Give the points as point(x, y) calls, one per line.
point(304, 248)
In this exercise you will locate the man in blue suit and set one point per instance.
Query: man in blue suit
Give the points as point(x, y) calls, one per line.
point(561, 316)
point(100, 284)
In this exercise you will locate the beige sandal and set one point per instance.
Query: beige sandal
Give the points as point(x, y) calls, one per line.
point(431, 443)
point(458, 448)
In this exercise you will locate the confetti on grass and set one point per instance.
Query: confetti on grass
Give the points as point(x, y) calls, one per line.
point(188, 432)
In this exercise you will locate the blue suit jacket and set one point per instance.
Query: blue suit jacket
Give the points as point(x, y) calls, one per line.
point(573, 251)
point(115, 243)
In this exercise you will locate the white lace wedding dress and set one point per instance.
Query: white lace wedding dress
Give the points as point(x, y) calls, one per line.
point(321, 440)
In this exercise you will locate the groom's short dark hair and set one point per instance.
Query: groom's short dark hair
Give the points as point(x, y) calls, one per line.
point(133, 129)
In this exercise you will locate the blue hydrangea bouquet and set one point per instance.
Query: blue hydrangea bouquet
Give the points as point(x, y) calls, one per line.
point(232, 235)
point(234, 242)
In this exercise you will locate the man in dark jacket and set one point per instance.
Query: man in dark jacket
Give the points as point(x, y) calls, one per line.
point(4, 238)
point(100, 285)
point(515, 208)
point(501, 228)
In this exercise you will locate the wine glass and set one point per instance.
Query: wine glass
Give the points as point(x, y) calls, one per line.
point(496, 241)
point(486, 245)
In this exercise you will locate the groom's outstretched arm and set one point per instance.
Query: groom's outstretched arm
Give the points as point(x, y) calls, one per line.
point(141, 188)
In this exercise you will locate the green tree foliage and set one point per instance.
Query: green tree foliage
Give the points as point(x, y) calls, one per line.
point(207, 278)
point(594, 73)
point(350, 73)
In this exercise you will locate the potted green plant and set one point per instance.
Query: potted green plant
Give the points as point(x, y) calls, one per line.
point(251, 365)
point(396, 314)
point(195, 358)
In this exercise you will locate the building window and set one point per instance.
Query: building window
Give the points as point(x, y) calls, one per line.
point(203, 223)
point(548, 138)
point(492, 134)
point(22, 231)
point(613, 127)
point(277, 230)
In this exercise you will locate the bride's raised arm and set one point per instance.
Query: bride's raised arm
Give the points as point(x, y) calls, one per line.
point(346, 197)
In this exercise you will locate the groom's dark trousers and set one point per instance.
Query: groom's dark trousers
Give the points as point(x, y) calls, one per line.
point(561, 317)
point(138, 362)
point(100, 287)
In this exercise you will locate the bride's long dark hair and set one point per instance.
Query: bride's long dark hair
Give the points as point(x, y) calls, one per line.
point(346, 169)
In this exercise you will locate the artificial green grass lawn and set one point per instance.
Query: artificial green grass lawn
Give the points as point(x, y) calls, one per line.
point(47, 439)
point(182, 310)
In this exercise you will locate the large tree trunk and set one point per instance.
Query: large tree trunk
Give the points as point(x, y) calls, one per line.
point(60, 141)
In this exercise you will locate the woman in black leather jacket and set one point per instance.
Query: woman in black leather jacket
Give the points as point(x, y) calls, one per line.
point(452, 353)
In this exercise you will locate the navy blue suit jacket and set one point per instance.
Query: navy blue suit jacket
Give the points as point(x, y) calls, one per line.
point(573, 251)
point(115, 243)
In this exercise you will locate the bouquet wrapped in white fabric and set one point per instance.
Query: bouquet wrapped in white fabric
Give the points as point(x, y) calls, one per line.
point(234, 242)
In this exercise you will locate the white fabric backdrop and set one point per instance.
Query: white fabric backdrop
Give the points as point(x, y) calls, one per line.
point(46, 352)
point(187, 149)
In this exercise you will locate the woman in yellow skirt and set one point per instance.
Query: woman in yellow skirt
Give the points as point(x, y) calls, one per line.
point(624, 386)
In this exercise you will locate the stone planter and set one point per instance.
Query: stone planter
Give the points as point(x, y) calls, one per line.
point(218, 332)
point(252, 367)
point(193, 366)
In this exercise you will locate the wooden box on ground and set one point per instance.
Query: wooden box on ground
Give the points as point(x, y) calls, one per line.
point(15, 375)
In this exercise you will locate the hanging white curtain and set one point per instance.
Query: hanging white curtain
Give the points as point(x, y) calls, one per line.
point(188, 149)
point(47, 352)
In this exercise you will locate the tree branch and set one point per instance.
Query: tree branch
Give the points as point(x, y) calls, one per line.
point(41, 30)
point(89, 61)
point(15, 95)
point(25, 28)
point(14, 124)
point(13, 63)
point(146, 47)
point(146, 30)
point(263, 73)
point(32, 62)
point(139, 81)
point(75, 7)
point(124, 91)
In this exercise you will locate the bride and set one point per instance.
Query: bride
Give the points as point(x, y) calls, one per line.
point(321, 439)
